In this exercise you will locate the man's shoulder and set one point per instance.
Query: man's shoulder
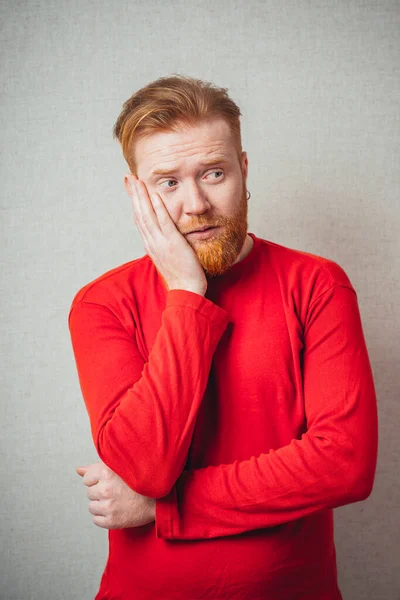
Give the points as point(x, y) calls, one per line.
point(299, 266)
point(114, 283)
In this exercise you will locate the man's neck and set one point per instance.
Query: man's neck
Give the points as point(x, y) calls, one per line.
point(246, 248)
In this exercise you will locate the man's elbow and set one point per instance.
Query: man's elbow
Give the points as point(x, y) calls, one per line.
point(360, 484)
point(156, 488)
point(149, 474)
point(148, 478)
point(162, 480)
point(361, 489)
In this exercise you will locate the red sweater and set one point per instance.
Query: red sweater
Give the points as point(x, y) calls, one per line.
point(249, 414)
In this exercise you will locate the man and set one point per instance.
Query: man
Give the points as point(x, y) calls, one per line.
point(226, 377)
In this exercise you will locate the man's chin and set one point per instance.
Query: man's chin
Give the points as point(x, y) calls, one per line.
point(220, 251)
point(218, 257)
point(211, 275)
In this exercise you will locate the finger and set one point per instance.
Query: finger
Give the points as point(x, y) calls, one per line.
point(92, 475)
point(81, 470)
point(93, 493)
point(101, 521)
point(146, 214)
point(134, 197)
point(164, 218)
point(96, 508)
point(136, 209)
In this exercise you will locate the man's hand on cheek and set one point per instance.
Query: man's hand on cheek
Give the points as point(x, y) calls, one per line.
point(170, 252)
point(113, 504)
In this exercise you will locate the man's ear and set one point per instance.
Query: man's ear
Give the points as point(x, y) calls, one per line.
point(245, 165)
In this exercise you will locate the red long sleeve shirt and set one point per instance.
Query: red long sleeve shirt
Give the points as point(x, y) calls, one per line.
point(249, 414)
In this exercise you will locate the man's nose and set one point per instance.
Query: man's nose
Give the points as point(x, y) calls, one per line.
point(195, 199)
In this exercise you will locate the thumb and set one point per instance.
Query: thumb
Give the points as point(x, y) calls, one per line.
point(81, 470)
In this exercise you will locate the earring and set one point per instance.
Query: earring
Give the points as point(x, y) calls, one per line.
point(248, 195)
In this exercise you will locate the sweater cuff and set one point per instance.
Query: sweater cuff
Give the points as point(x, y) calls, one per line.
point(197, 302)
point(166, 515)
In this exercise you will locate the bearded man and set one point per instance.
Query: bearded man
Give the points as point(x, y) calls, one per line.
point(226, 377)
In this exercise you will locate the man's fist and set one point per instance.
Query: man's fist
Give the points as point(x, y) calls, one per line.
point(113, 504)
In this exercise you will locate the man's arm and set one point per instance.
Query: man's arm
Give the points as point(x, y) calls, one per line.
point(331, 465)
point(143, 415)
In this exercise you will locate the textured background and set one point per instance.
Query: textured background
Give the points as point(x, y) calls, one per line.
point(318, 85)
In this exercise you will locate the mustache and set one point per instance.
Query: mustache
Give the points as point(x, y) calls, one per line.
point(201, 222)
point(200, 225)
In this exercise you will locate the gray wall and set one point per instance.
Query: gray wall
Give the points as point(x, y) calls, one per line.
point(318, 84)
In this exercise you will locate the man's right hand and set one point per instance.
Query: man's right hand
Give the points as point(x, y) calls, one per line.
point(172, 255)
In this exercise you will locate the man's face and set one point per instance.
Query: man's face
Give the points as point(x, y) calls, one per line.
point(202, 183)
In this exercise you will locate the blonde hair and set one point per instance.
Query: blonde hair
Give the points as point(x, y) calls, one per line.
point(168, 103)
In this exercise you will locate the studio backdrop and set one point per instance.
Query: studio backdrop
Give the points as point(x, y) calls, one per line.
point(318, 86)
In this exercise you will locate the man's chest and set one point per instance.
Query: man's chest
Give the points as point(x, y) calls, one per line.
point(253, 401)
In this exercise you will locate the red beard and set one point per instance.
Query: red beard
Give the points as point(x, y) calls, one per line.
point(218, 253)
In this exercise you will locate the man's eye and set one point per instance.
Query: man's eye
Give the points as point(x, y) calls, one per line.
point(167, 183)
point(216, 174)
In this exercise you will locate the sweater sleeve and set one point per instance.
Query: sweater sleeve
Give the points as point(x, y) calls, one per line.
point(333, 463)
point(142, 415)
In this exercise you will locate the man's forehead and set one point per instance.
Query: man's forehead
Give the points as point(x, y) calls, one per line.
point(205, 142)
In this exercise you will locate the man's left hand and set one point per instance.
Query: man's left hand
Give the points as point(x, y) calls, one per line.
point(113, 504)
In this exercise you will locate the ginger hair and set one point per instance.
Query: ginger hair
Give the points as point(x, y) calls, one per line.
point(169, 103)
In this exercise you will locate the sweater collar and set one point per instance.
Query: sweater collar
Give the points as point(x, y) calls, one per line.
point(241, 268)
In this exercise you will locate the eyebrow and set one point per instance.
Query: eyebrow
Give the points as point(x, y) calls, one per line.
point(206, 162)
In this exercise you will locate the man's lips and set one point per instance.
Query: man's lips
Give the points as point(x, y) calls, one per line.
point(203, 233)
point(202, 228)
